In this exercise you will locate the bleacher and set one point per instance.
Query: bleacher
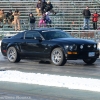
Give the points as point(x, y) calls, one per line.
point(68, 11)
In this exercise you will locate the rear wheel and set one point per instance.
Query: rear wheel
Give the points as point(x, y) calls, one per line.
point(90, 60)
point(12, 55)
point(58, 57)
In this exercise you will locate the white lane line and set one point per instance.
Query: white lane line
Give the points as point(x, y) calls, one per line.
point(69, 82)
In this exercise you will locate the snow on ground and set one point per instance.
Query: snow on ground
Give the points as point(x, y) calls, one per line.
point(69, 82)
point(99, 45)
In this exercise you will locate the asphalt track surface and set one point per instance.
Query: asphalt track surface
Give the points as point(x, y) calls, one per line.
point(21, 91)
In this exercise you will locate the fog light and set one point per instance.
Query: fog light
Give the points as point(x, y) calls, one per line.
point(74, 52)
point(71, 53)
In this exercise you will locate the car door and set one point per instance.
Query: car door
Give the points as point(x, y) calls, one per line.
point(33, 47)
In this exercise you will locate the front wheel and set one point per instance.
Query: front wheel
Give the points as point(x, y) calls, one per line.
point(12, 55)
point(58, 57)
point(90, 60)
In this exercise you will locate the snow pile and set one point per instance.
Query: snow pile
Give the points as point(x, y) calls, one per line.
point(99, 45)
point(51, 80)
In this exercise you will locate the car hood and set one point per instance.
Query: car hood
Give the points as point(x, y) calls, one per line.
point(74, 41)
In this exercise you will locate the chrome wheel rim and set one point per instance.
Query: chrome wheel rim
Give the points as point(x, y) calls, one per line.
point(11, 55)
point(56, 57)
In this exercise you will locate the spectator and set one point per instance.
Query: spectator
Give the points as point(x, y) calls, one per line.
point(86, 14)
point(38, 8)
point(32, 21)
point(95, 19)
point(10, 18)
point(47, 19)
point(43, 6)
point(49, 7)
point(16, 15)
point(2, 17)
point(42, 22)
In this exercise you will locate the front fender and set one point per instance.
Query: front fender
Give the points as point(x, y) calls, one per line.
point(14, 45)
point(61, 46)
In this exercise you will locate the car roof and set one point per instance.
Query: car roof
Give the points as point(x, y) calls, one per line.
point(44, 29)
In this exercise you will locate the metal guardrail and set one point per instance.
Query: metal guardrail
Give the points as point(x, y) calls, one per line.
point(85, 34)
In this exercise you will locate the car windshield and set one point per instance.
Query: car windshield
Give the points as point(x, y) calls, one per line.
point(55, 34)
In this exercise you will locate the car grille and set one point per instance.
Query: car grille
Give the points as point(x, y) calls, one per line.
point(89, 47)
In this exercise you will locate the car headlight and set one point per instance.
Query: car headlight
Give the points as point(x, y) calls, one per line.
point(94, 46)
point(66, 47)
point(70, 47)
point(73, 47)
point(81, 46)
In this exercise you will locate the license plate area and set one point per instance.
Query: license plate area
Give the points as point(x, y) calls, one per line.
point(91, 54)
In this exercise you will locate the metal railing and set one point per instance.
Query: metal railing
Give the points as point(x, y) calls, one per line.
point(62, 21)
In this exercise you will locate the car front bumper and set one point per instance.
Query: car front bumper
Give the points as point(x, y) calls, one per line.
point(82, 55)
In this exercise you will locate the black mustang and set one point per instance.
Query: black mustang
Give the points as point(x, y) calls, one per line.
point(54, 45)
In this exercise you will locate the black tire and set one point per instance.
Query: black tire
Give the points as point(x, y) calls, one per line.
point(12, 55)
point(90, 60)
point(58, 57)
point(18, 58)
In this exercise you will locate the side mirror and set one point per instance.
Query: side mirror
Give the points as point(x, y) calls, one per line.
point(38, 38)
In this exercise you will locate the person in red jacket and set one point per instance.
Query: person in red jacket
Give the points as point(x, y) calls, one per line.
point(95, 19)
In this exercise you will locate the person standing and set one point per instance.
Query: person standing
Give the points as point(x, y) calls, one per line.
point(87, 15)
point(32, 21)
point(95, 19)
point(16, 15)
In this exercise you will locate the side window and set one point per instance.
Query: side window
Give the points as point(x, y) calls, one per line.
point(31, 35)
point(19, 35)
